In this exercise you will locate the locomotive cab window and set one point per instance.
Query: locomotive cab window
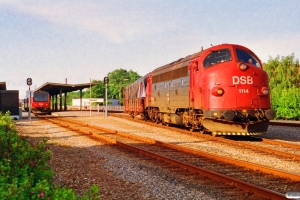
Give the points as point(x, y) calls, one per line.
point(244, 56)
point(40, 97)
point(215, 57)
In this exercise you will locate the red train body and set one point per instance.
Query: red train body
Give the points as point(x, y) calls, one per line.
point(222, 90)
point(39, 101)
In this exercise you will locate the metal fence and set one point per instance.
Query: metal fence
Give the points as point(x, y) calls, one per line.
point(99, 108)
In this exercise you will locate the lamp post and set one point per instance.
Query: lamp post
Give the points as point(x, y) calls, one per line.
point(29, 105)
point(106, 82)
point(29, 83)
point(90, 97)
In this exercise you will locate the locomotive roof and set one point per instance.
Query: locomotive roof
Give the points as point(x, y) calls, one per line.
point(185, 61)
point(180, 61)
point(56, 88)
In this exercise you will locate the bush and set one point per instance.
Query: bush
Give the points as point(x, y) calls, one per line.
point(24, 172)
point(284, 83)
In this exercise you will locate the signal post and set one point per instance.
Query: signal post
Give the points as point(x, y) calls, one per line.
point(29, 83)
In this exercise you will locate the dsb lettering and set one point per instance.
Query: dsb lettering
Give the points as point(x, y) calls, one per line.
point(242, 80)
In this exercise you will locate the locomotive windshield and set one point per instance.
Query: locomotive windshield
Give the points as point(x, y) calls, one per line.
point(244, 56)
point(218, 56)
point(40, 97)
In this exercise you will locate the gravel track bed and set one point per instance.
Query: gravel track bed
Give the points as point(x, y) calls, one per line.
point(288, 134)
point(242, 174)
point(197, 143)
point(276, 147)
point(79, 162)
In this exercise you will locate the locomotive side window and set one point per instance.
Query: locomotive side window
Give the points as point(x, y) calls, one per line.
point(218, 56)
point(244, 56)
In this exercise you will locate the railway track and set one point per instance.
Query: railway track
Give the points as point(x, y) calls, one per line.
point(289, 150)
point(224, 169)
point(285, 123)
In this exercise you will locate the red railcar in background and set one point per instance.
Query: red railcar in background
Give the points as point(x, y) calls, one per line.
point(136, 96)
point(222, 90)
point(39, 101)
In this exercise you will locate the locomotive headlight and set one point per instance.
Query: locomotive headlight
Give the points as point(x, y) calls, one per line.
point(264, 91)
point(220, 91)
point(243, 66)
point(217, 91)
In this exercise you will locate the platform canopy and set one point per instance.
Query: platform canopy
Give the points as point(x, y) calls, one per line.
point(56, 88)
point(2, 85)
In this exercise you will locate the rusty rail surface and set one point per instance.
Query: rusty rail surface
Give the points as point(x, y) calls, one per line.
point(248, 165)
point(285, 123)
point(283, 144)
point(230, 142)
point(226, 179)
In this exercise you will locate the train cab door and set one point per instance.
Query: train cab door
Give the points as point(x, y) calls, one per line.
point(195, 85)
point(243, 96)
point(245, 90)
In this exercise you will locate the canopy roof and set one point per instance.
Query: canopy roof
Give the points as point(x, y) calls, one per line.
point(56, 88)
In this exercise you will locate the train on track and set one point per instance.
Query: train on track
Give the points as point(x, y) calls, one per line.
point(222, 90)
point(39, 101)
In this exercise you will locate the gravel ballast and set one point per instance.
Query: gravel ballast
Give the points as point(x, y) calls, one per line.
point(79, 161)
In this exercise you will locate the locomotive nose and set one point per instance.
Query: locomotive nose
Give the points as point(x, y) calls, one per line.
point(270, 114)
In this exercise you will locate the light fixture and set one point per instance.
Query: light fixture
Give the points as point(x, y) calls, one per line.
point(243, 66)
point(264, 91)
point(217, 91)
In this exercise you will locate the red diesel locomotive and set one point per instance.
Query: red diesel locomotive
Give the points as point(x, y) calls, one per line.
point(39, 101)
point(222, 90)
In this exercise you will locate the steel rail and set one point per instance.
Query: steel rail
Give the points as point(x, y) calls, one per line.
point(278, 123)
point(248, 165)
point(245, 145)
point(204, 172)
point(269, 150)
point(283, 144)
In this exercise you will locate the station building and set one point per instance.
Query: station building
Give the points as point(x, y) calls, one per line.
point(9, 101)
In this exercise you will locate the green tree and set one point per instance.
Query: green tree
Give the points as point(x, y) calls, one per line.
point(98, 91)
point(118, 79)
point(72, 95)
point(284, 83)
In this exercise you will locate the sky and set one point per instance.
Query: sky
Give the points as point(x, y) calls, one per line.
point(83, 40)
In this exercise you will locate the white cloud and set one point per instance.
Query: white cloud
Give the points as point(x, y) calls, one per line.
point(105, 18)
